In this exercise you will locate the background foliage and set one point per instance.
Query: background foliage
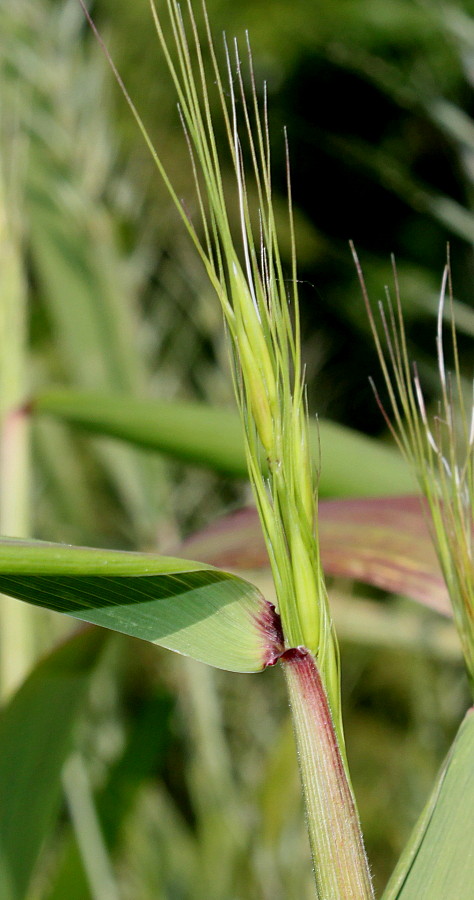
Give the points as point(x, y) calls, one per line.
point(191, 774)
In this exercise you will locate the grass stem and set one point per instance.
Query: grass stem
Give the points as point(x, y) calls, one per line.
point(340, 862)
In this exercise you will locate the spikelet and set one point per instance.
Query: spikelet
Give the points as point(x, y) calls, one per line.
point(439, 448)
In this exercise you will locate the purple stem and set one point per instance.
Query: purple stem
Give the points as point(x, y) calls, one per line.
point(340, 862)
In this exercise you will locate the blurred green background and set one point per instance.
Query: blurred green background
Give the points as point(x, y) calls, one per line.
point(193, 773)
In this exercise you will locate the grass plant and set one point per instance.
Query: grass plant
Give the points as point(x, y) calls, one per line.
point(265, 348)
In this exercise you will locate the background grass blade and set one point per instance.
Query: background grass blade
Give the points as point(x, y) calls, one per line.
point(211, 615)
point(383, 541)
point(36, 730)
point(353, 463)
point(437, 862)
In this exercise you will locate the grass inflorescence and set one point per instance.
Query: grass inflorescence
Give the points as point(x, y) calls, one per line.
point(440, 447)
point(260, 307)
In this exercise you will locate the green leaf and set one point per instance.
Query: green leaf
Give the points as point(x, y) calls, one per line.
point(213, 616)
point(382, 541)
point(36, 729)
point(352, 464)
point(438, 861)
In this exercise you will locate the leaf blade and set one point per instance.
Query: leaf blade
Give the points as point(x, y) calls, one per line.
point(36, 729)
point(191, 608)
point(383, 541)
point(183, 430)
point(438, 859)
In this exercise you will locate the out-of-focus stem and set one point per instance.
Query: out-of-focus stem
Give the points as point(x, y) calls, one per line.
point(16, 643)
point(340, 862)
point(15, 618)
point(88, 831)
point(221, 828)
